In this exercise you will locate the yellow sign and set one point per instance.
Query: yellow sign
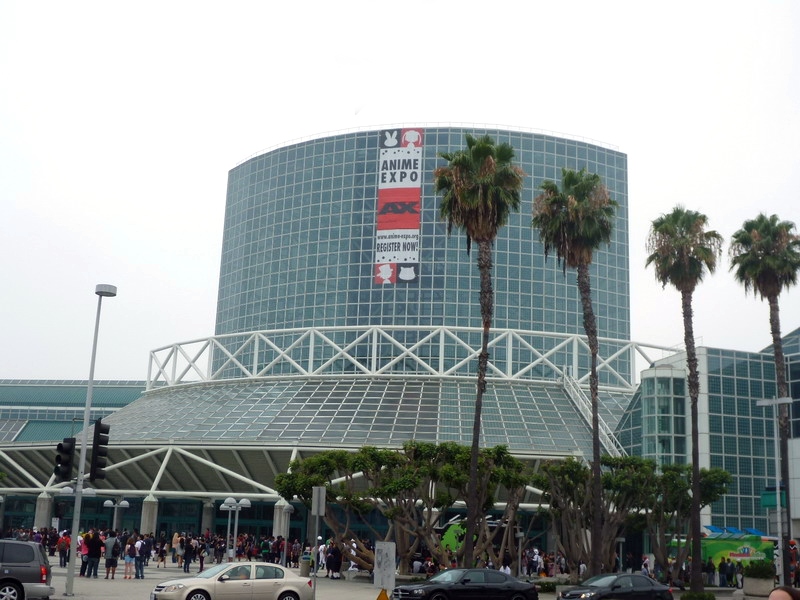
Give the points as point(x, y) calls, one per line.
point(383, 595)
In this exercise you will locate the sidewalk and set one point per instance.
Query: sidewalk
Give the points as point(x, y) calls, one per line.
point(139, 589)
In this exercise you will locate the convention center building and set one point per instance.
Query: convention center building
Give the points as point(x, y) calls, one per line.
point(347, 317)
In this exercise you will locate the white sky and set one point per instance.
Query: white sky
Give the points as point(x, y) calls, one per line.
point(119, 122)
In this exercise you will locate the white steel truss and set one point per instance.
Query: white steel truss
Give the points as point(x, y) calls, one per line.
point(442, 352)
point(584, 406)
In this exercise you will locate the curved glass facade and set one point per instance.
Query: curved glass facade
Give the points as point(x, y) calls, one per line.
point(301, 224)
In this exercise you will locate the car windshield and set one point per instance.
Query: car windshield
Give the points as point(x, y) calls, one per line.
point(600, 581)
point(449, 575)
point(214, 571)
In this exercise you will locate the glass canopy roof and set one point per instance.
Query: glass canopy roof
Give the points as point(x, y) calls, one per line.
point(352, 412)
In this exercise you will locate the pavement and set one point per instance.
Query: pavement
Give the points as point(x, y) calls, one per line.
point(360, 588)
point(139, 589)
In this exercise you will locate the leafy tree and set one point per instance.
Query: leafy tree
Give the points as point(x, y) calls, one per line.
point(333, 470)
point(480, 187)
point(411, 488)
point(626, 483)
point(668, 508)
point(498, 469)
point(765, 258)
point(573, 222)
point(681, 251)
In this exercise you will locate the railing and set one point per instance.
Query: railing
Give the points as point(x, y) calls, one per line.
point(396, 351)
point(584, 405)
point(429, 125)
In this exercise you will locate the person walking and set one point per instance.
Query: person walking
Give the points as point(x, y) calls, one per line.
point(130, 557)
point(711, 570)
point(112, 552)
point(320, 552)
point(63, 548)
point(333, 561)
point(138, 563)
point(189, 553)
point(93, 553)
point(180, 549)
point(161, 553)
point(203, 552)
point(147, 548)
point(83, 552)
point(723, 573)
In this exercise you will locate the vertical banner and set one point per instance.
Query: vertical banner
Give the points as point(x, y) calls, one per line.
point(399, 193)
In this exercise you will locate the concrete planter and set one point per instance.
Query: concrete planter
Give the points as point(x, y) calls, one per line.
point(758, 588)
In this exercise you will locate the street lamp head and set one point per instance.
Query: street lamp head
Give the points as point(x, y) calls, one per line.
point(124, 504)
point(108, 504)
point(244, 503)
point(105, 290)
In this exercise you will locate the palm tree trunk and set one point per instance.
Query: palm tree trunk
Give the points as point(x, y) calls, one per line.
point(696, 575)
point(783, 425)
point(590, 326)
point(487, 307)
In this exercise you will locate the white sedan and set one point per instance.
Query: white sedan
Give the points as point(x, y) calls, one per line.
point(237, 581)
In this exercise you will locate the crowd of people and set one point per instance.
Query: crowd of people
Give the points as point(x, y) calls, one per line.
point(133, 549)
point(188, 552)
point(193, 552)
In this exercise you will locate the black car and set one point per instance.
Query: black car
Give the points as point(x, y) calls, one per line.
point(467, 584)
point(623, 586)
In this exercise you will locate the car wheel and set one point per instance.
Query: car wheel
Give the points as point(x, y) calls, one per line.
point(10, 591)
point(198, 595)
point(288, 596)
point(439, 596)
point(518, 597)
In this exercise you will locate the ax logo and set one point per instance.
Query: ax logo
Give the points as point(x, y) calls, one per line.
point(399, 208)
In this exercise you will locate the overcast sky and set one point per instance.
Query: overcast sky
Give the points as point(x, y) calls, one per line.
point(119, 122)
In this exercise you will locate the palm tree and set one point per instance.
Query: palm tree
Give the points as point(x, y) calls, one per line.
point(681, 251)
point(573, 221)
point(480, 187)
point(765, 257)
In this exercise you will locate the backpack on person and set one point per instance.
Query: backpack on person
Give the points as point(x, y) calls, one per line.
point(115, 550)
point(132, 550)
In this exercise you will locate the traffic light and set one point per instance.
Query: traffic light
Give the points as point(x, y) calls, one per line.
point(99, 450)
point(65, 456)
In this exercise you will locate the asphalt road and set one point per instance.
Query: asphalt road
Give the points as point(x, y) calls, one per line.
point(327, 589)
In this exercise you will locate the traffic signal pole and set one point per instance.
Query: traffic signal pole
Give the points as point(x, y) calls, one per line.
point(101, 291)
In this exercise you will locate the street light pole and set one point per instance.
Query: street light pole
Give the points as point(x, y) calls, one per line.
point(102, 291)
point(116, 506)
point(231, 505)
point(776, 404)
point(226, 506)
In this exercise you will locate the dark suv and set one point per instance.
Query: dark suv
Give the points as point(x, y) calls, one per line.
point(24, 571)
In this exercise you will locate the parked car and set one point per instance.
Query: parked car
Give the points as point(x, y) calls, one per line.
point(228, 581)
point(622, 586)
point(24, 571)
point(457, 584)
